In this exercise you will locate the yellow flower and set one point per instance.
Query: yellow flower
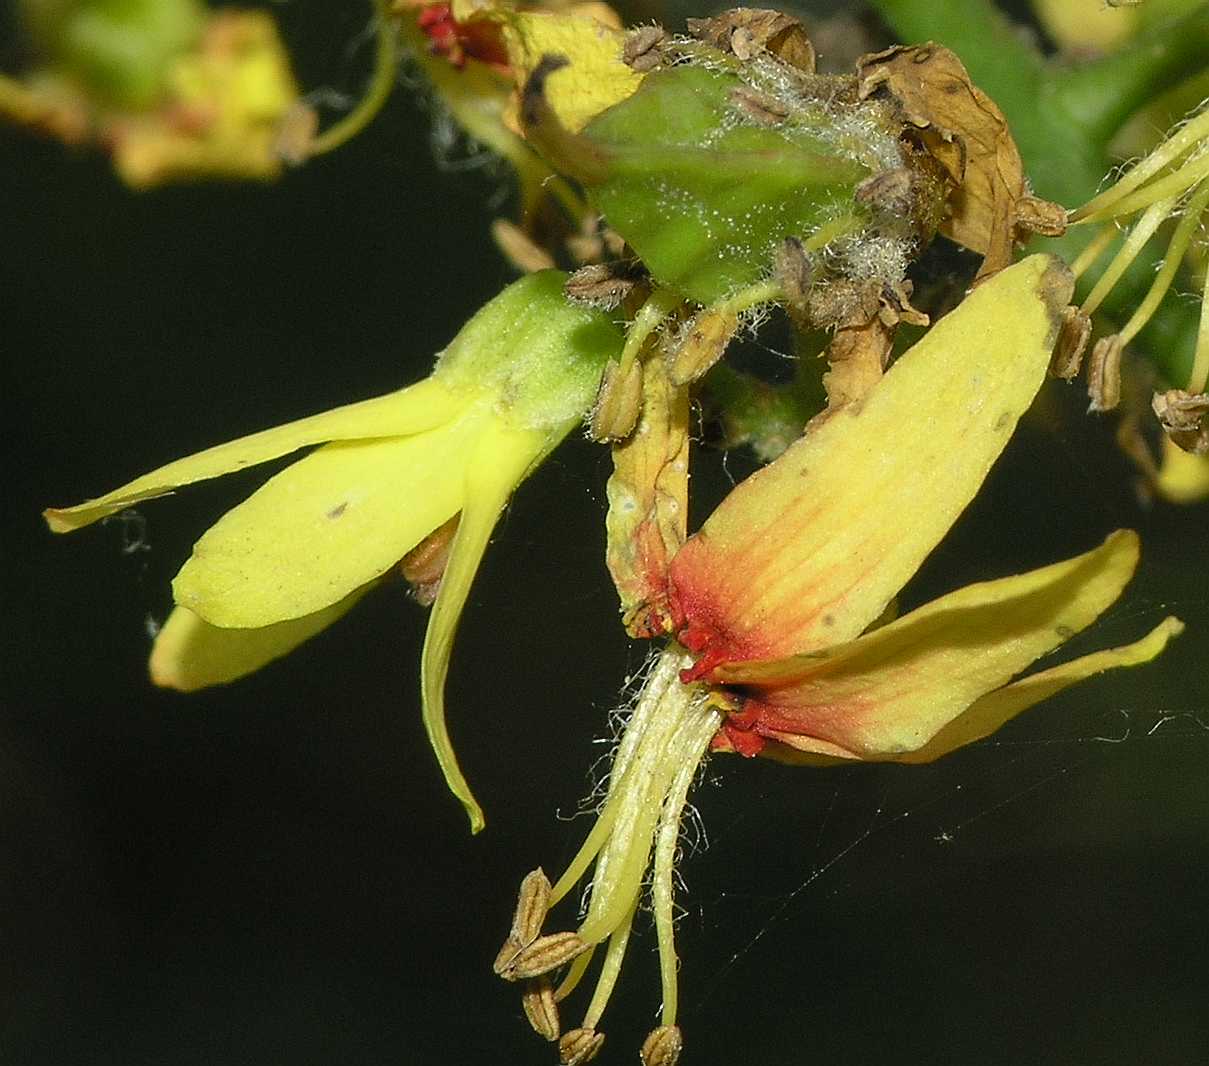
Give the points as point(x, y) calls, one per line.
point(308, 544)
point(777, 599)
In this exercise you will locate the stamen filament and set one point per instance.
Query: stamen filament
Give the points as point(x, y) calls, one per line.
point(1095, 248)
point(574, 975)
point(1180, 240)
point(762, 292)
point(1167, 152)
point(1199, 377)
point(696, 741)
point(610, 969)
point(1168, 188)
point(661, 303)
point(1142, 231)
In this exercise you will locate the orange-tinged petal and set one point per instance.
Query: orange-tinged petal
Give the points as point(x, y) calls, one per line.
point(889, 692)
point(809, 550)
point(993, 710)
point(190, 654)
point(326, 525)
point(411, 410)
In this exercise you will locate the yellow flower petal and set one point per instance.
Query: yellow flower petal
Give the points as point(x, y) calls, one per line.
point(809, 550)
point(411, 410)
point(596, 77)
point(891, 691)
point(993, 710)
point(500, 460)
point(190, 654)
point(328, 524)
point(1183, 477)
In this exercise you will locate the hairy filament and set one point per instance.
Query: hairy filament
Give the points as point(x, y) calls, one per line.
point(1171, 187)
point(1142, 231)
point(609, 970)
point(1170, 150)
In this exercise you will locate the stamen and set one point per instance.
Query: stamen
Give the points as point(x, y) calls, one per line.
point(1199, 377)
point(1134, 243)
point(660, 304)
point(1170, 150)
point(609, 970)
point(1180, 240)
point(1095, 248)
point(1171, 187)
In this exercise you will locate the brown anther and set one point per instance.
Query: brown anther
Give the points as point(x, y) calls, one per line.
point(579, 1045)
point(1073, 335)
point(748, 31)
point(1104, 374)
point(705, 338)
point(540, 1008)
point(1041, 216)
point(890, 190)
point(662, 1047)
point(760, 108)
point(546, 953)
point(296, 133)
point(793, 271)
point(602, 285)
point(618, 403)
point(532, 903)
point(424, 566)
point(1182, 416)
point(641, 51)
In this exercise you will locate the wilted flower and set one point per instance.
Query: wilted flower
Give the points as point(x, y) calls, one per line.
point(775, 603)
point(304, 547)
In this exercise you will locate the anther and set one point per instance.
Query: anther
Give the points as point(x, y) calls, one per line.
point(579, 1045)
point(663, 1046)
point(540, 1008)
point(546, 953)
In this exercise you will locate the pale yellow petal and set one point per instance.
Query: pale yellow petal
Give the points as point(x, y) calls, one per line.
point(596, 77)
point(891, 691)
point(1183, 477)
point(809, 550)
point(501, 459)
point(993, 710)
point(190, 654)
point(328, 524)
point(406, 411)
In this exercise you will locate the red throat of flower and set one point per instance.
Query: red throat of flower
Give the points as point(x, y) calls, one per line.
point(460, 41)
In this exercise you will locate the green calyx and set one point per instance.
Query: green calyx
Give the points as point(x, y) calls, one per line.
point(121, 50)
point(536, 354)
point(712, 164)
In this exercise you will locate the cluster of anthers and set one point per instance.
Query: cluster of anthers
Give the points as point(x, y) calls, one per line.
point(1172, 182)
point(667, 735)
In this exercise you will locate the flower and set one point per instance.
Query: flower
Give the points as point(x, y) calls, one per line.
point(776, 602)
point(171, 90)
point(309, 543)
point(777, 588)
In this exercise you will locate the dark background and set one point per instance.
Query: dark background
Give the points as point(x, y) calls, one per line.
point(273, 873)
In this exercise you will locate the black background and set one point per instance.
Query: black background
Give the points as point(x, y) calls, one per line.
point(273, 873)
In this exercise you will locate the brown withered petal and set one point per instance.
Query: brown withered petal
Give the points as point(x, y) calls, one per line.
point(963, 129)
point(648, 503)
point(858, 356)
point(618, 403)
point(748, 31)
point(641, 49)
point(702, 344)
point(1104, 374)
point(577, 1046)
point(663, 1046)
point(1073, 336)
point(540, 1008)
point(546, 953)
